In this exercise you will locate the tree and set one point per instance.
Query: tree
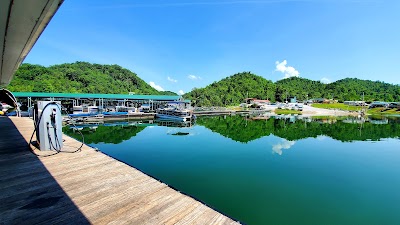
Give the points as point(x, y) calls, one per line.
point(80, 77)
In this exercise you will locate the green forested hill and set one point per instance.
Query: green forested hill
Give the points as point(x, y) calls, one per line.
point(80, 77)
point(83, 77)
point(232, 90)
point(352, 89)
point(349, 89)
point(301, 88)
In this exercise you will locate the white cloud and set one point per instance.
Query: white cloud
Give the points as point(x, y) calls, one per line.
point(181, 92)
point(288, 71)
point(285, 144)
point(157, 87)
point(325, 80)
point(321, 138)
point(194, 77)
point(172, 80)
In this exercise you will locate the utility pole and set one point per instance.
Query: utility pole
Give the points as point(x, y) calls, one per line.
point(363, 104)
point(286, 96)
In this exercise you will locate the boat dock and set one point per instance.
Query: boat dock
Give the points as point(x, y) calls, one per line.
point(86, 187)
point(130, 116)
point(228, 112)
point(214, 113)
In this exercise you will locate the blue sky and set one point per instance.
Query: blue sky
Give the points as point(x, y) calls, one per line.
point(181, 44)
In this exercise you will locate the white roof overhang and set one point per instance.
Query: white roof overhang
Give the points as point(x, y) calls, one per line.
point(21, 23)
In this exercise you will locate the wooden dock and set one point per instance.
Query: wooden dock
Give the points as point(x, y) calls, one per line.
point(214, 113)
point(87, 187)
point(229, 112)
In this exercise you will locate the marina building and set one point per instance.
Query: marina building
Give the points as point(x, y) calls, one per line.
point(103, 101)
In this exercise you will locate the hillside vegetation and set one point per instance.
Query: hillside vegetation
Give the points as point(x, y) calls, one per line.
point(83, 77)
point(80, 77)
point(232, 90)
point(241, 130)
point(352, 89)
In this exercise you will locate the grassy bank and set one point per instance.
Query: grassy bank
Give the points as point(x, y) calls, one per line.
point(287, 111)
point(341, 106)
point(383, 111)
point(236, 108)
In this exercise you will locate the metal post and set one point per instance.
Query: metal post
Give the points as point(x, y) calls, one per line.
point(286, 96)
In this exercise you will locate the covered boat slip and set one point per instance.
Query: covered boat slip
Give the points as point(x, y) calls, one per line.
point(84, 187)
point(70, 100)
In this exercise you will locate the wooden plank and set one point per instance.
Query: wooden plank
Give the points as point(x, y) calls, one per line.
point(25, 198)
point(192, 216)
point(169, 214)
point(96, 212)
point(92, 197)
point(99, 192)
point(153, 207)
point(31, 184)
point(88, 187)
point(132, 208)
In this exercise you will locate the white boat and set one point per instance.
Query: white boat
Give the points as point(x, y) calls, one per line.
point(93, 109)
point(94, 117)
point(8, 102)
point(4, 107)
point(126, 109)
point(175, 111)
point(144, 108)
point(78, 109)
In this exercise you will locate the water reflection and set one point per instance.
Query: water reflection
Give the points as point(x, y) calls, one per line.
point(106, 132)
point(172, 123)
point(115, 132)
point(337, 182)
point(245, 129)
point(296, 127)
point(284, 144)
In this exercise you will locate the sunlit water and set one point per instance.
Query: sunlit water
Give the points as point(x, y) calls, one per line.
point(275, 171)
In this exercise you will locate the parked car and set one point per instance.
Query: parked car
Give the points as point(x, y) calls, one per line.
point(282, 106)
point(299, 106)
point(394, 105)
point(379, 104)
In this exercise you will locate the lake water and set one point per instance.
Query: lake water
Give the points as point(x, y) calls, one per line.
point(270, 171)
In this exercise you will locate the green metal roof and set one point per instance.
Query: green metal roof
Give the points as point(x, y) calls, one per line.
point(96, 96)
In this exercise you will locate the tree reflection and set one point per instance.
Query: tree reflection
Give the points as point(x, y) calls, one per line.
point(294, 128)
point(112, 133)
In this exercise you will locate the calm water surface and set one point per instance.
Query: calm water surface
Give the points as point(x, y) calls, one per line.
point(275, 171)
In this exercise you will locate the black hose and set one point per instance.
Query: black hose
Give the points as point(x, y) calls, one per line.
point(56, 137)
point(58, 145)
point(83, 138)
point(49, 138)
point(36, 128)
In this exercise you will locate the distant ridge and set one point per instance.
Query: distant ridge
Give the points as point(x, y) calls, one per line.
point(83, 77)
point(232, 90)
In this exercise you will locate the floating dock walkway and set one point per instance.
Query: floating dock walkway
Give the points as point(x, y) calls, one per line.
point(228, 112)
point(214, 113)
point(87, 187)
